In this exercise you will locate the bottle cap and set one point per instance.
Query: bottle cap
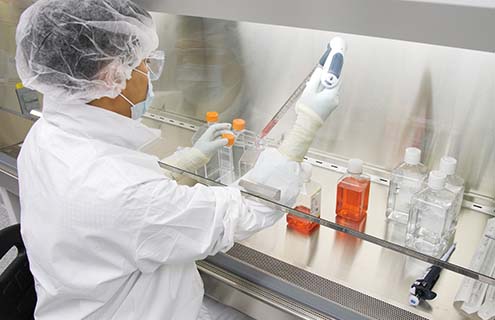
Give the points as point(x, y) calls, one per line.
point(448, 165)
point(230, 137)
point(19, 85)
point(412, 156)
point(307, 171)
point(212, 116)
point(355, 166)
point(238, 124)
point(436, 180)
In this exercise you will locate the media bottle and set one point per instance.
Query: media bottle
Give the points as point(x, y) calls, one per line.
point(353, 190)
point(308, 202)
point(406, 179)
point(454, 183)
point(431, 225)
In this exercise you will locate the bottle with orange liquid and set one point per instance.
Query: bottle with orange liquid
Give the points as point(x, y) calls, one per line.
point(308, 202)
point(353, 191)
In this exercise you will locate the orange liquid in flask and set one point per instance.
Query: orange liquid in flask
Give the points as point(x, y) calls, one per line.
point(299, 224)
point(352, 198)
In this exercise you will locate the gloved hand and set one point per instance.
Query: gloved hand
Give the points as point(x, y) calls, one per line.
point(313, 108)
point(273, 169)
point(212, 140)
point(191, 159)
point(319, 99)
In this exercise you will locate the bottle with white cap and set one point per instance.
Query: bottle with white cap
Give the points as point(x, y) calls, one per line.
point(431, 225)
point(353, 191)
point(454, 182)
point(308, 201)
point(405, 181)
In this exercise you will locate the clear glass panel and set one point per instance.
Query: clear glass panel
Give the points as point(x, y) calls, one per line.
point(224, 66)
point(375, 228)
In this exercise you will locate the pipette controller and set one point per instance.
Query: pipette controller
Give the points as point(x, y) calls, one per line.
point(422, 288)
point(331, 61)
point(332, 68)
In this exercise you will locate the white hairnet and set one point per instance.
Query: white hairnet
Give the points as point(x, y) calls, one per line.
point(82, 49)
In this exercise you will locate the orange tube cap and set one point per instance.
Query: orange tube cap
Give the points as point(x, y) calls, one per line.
point(230, 137)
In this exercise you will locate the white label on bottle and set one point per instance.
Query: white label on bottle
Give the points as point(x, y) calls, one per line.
point(316, 204)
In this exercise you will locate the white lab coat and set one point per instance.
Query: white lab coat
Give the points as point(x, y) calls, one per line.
point(108, 236)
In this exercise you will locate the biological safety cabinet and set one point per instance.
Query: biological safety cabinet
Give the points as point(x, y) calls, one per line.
point(416, 74)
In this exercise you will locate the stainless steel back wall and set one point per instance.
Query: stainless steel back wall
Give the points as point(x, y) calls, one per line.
point(395, 93)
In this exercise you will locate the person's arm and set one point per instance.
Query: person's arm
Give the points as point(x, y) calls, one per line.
point(183, 224)
point(312, 109)
point(191, 159)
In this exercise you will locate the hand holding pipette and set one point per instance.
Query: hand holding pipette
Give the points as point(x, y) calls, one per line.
point(320, 88)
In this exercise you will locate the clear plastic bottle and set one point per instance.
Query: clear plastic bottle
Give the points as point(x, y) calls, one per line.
point(308, 202)
point(238, 149)
point(407, 179)
point(431, 224)
point(209, 170)
point(227, 175)
point(238, 128)
point(454, 183)
point(353, 191)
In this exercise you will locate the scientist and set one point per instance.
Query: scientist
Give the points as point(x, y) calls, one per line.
point(107, 233)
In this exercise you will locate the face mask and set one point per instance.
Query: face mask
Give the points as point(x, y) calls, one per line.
point(139, 109)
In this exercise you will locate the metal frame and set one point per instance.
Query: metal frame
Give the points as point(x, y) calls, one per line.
point(454, 23)
point(258, 292)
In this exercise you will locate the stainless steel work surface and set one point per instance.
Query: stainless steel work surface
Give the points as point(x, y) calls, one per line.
point(363, 266)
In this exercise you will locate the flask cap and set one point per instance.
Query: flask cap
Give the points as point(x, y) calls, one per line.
point(238, 124)
point(412, 156)
point(230, 137)
point(212, 116)
point(448, 165)
point(355, 166)
point(436, 180)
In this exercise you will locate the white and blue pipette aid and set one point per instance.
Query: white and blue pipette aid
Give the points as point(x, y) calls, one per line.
point(332, 61)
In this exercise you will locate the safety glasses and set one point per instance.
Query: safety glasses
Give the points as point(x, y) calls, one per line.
point(155, 63)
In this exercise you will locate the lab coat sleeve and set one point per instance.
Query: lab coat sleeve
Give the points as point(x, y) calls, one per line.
point(189, 159)
point(184, 224)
